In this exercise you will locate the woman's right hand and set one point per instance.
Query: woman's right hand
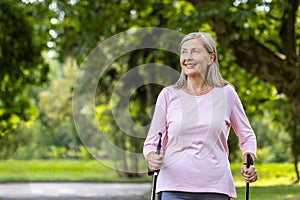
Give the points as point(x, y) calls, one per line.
point(154, 161)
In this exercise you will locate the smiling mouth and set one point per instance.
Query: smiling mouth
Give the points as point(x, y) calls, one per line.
point(190, 65)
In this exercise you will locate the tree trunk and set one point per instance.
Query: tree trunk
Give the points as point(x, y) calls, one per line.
point(296, 166)
point(294, 129)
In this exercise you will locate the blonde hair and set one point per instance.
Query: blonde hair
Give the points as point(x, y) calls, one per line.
point(212, 75)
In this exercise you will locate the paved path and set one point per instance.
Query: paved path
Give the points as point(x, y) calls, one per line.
point(75, 191)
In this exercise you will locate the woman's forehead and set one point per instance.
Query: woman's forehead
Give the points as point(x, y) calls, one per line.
point(193, 43)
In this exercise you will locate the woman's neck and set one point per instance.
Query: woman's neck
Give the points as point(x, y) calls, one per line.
point(197, 87)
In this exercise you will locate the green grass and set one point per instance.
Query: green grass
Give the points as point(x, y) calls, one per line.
point(59, 170)
point(274, 183)
point(279, 192)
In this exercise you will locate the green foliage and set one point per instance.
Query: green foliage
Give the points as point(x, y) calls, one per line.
point(21, 66)
point(266, 109)
point(55, 105)
point(86, 23)
point(29, 144)
point(52, 124)
point(74, 152)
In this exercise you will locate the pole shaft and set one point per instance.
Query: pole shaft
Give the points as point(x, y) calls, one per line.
point(247, 191)
point(155, 173)
point(248, 164)
point(154, 185)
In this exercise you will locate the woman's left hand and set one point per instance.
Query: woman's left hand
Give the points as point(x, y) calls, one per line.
point(250, 174)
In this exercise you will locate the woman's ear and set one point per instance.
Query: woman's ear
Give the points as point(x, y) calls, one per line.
point(212, 58)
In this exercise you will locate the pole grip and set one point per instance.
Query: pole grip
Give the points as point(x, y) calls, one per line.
point(249, 160)
point(158, 148)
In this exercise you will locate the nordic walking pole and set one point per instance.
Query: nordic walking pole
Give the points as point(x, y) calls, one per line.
point(155, 173)
point(249, 162)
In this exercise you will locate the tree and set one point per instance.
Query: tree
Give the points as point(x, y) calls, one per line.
point(21, 66)
point(54, 105)
point(92, 14)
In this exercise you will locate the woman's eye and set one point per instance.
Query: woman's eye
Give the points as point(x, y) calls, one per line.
point(196, 51)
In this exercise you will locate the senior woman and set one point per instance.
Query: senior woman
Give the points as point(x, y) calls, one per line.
point(195, 116)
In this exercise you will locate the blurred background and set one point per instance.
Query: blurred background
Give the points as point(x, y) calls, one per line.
point(44, 42)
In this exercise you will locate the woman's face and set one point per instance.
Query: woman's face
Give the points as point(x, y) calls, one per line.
point(194, 58)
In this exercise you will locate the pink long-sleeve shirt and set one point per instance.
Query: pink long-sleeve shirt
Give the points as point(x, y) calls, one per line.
point(195, 131)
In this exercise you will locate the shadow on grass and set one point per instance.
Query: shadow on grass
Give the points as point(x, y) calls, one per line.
point(279, 192)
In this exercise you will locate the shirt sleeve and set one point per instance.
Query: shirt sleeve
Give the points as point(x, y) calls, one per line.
point(158, 124)
point(242, 127)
